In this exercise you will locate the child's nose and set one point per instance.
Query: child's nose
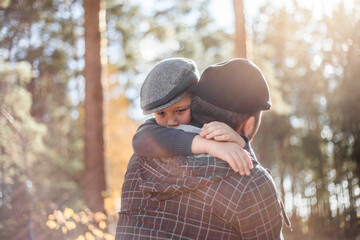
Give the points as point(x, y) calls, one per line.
point(173, 122)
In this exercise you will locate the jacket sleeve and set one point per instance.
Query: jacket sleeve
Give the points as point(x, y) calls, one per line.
point(152, 140)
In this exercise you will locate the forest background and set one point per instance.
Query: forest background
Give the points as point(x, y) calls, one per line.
point(70, 73)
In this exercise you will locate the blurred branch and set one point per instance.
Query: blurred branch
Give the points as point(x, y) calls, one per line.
point(9, 118)
point(7, 115)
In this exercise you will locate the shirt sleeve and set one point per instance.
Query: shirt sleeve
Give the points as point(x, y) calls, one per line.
point(152, 140)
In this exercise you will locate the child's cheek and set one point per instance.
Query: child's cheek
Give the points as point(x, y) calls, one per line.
point(187, 118)
point(160, 122)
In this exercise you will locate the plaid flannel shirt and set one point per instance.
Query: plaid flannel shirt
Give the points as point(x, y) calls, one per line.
point(197, 197)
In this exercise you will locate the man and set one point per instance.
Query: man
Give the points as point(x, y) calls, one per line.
point(201, 197)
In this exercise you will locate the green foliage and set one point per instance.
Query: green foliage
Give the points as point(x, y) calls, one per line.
point(17, 125)
point(21, 142)
point(314, 60)
point(4, 3)
point(47, 37)
point(139, 38)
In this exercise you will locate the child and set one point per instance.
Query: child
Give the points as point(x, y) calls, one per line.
point(167, 92)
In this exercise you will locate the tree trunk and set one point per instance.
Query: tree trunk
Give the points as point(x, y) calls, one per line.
point(240, 31)
point(94, 176)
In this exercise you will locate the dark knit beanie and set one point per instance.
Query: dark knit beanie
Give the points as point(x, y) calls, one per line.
point(237, 85)
point(167, 83)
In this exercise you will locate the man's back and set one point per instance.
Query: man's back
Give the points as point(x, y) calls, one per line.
point(197, 197)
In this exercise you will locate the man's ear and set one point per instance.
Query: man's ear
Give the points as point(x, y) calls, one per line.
point(247, 127)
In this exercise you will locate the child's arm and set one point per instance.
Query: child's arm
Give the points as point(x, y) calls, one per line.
point(238, 158)
point(152, 140)
point(221, 132)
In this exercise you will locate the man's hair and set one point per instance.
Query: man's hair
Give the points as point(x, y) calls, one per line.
point(205, 112)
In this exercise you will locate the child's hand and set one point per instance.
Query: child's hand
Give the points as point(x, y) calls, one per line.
point(238, 158)
point(221, 132)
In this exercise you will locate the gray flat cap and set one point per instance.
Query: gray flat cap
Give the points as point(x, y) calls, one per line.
point(167, 83)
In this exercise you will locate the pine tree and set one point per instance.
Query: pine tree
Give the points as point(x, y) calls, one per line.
point(240, 29)
point(94, 175)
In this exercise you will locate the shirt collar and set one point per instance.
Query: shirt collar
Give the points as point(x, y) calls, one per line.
point(248, 147)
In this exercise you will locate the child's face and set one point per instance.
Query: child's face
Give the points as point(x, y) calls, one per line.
point(176, 114)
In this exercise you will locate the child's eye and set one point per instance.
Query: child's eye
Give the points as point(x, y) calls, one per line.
point(161, 114)
point(182, 110)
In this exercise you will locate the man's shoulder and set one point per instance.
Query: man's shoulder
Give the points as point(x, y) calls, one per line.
point(134, 163)
point(260, 170)
point(204, 165)
point(258, 186)
point(258, 174)
point(180, 167)
point(205, 160)
point(261, 185)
